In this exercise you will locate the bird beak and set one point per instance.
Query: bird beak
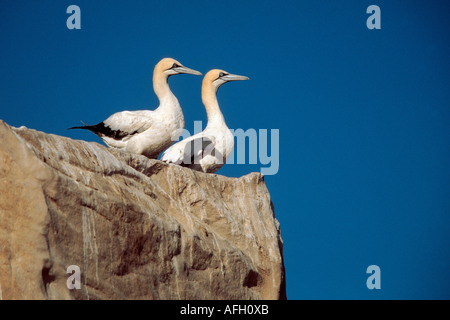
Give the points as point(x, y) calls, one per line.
point(233, 77)
point(183, 69)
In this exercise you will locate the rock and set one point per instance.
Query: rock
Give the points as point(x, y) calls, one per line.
point(137, 228)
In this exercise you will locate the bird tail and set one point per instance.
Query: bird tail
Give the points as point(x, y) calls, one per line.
point(81, 127)
point(86, 126)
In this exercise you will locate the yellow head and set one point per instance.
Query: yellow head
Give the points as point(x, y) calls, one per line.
point(169, 67)
point(217, 77)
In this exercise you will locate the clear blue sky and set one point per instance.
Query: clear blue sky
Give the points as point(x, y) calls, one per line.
point(363, 115)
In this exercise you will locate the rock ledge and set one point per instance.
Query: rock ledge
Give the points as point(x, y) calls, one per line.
point(137, 228)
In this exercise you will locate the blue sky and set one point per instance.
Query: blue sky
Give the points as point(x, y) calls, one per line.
point(363, 115)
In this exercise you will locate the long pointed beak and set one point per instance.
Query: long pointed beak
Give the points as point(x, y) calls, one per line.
point(184, 69)
point(234, 77)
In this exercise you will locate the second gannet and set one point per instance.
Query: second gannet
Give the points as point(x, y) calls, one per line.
point(147, 132)
point(208, 150)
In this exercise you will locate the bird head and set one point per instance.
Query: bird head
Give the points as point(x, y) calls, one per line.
point(217, 77)
point(169, 67)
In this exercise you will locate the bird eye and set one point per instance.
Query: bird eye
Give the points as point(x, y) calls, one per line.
point(175, 65)
point(221, 74)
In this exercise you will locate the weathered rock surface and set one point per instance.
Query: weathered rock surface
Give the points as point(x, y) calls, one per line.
point(137, 228)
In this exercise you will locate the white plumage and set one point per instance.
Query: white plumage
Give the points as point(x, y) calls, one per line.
point(147, 132)
point(207, 151)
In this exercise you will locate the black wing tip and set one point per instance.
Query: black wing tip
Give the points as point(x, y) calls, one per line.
point(82, 127)
point(101, 129)
point(86, 126)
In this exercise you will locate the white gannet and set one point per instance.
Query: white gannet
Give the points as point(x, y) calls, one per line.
point(208, 150)
point(147, 132)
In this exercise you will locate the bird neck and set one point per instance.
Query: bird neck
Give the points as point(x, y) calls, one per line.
point(209, 99)
point(162, 90)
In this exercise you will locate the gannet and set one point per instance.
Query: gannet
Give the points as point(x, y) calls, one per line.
point(208, 150)
point(147, 132)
